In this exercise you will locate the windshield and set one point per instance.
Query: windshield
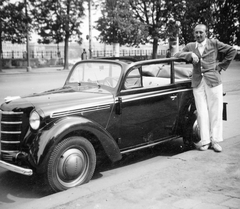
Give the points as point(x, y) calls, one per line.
point(99, 73)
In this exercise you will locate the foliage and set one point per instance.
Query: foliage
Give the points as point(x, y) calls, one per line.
point(216, 14)
point(134, 21)
point(117, 25)
point(13, 23)
point(227, 18)
point(148, 21)
point(57, 21)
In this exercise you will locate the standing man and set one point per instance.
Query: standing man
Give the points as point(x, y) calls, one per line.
point(207, 84)
point(84, 55)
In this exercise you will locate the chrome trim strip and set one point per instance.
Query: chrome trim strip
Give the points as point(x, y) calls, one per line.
point(11, 113)
point(10, 142)
point(8, 151)
point(15, 123)
point(17, 169)
point(129, 98)
point(11, 132)
point(80, 110)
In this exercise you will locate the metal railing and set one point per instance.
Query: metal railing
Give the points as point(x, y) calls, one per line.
point(38, 54)
point(95, 53)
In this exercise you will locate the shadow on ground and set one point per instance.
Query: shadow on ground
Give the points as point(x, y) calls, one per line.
point(16, 186)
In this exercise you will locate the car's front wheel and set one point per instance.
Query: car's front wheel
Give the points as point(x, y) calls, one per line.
point(71, 163)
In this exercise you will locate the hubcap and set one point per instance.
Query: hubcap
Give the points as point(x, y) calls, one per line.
point(72, 167)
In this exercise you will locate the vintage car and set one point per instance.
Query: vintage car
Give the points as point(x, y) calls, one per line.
point(106, 108)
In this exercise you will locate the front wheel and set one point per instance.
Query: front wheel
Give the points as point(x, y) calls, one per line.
point(71, 163)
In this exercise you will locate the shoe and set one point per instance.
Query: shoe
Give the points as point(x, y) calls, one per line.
point(216, 147)
point(204, 147)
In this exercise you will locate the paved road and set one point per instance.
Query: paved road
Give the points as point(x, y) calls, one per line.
point(15, 188)
point(18, 84)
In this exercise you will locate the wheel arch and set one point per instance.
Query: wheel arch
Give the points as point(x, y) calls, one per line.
point(54, 133)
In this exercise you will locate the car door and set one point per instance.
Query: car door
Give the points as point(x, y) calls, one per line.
point(147, 113)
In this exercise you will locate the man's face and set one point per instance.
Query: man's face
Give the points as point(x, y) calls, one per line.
point(200, 33)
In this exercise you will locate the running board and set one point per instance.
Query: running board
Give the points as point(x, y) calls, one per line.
point(148, 145)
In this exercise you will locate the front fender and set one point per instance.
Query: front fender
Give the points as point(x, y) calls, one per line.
point(51, 135)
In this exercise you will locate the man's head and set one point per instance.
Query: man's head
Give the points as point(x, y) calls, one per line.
point(200, 33)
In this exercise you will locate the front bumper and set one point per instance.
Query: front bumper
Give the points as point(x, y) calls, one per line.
point(16, 169)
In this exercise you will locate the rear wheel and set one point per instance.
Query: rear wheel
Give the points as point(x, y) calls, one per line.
point(71, 163)
point(192, 137)
point(191, 133)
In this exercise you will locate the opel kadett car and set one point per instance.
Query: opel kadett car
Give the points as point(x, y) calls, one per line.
point(107, 107)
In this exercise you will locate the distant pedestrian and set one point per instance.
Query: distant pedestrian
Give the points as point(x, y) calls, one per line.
point(207, 84)
point(84, 55)
point(168, 54)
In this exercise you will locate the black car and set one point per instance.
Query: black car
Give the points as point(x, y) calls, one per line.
point(107, 107)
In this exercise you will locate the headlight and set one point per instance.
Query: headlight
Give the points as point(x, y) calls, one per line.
point(34, 120)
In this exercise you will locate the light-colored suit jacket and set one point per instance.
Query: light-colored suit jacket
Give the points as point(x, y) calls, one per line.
point(208, 66)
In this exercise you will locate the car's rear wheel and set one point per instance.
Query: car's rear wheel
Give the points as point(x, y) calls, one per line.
point(71, 163)
point(191, 135)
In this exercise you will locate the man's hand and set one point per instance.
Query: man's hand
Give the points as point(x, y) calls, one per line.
point(195, 58)
point(219, 69)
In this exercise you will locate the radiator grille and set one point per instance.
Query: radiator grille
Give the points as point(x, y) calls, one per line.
point(11, 124)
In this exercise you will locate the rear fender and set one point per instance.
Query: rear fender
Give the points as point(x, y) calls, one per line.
point(51, 135)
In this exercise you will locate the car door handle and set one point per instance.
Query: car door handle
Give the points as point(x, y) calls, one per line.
point(173, 97)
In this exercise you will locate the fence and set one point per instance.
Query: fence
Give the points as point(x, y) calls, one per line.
point(38, 54)
point(124, 53)
point(55, 58)
point(95, 53)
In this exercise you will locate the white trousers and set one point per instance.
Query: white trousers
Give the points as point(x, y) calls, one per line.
point(209, 105)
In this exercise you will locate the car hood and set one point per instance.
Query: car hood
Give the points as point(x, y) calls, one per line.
point(60, 100)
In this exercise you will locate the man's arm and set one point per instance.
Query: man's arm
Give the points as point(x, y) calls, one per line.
point(186, 54)
point(229, 53)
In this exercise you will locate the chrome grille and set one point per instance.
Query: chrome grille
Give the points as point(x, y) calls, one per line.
point(11, 124)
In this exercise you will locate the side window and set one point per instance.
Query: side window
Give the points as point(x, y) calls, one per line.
point(155, 75)
point(133, 79)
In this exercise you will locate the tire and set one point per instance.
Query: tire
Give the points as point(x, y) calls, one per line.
point(191, 134)
point(193, 137)
point(71, 164)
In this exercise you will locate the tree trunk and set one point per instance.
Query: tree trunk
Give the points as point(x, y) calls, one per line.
point(155, 48)
point(116, 49)
point(0, 61)
point(1, 52)
point(66, 65)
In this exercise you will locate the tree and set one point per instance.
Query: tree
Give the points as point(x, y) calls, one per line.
point(148, 21)
point(135, 21)
point(220, 16)
point(117, 25)
point(12, 23)
point(226, 15)
point(58, 20)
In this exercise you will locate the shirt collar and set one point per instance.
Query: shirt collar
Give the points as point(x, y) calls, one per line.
point(203, 43)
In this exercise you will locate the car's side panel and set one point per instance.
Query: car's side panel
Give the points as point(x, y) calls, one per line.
point(147, 116)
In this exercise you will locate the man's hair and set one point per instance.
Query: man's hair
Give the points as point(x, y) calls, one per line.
point(206, 29)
